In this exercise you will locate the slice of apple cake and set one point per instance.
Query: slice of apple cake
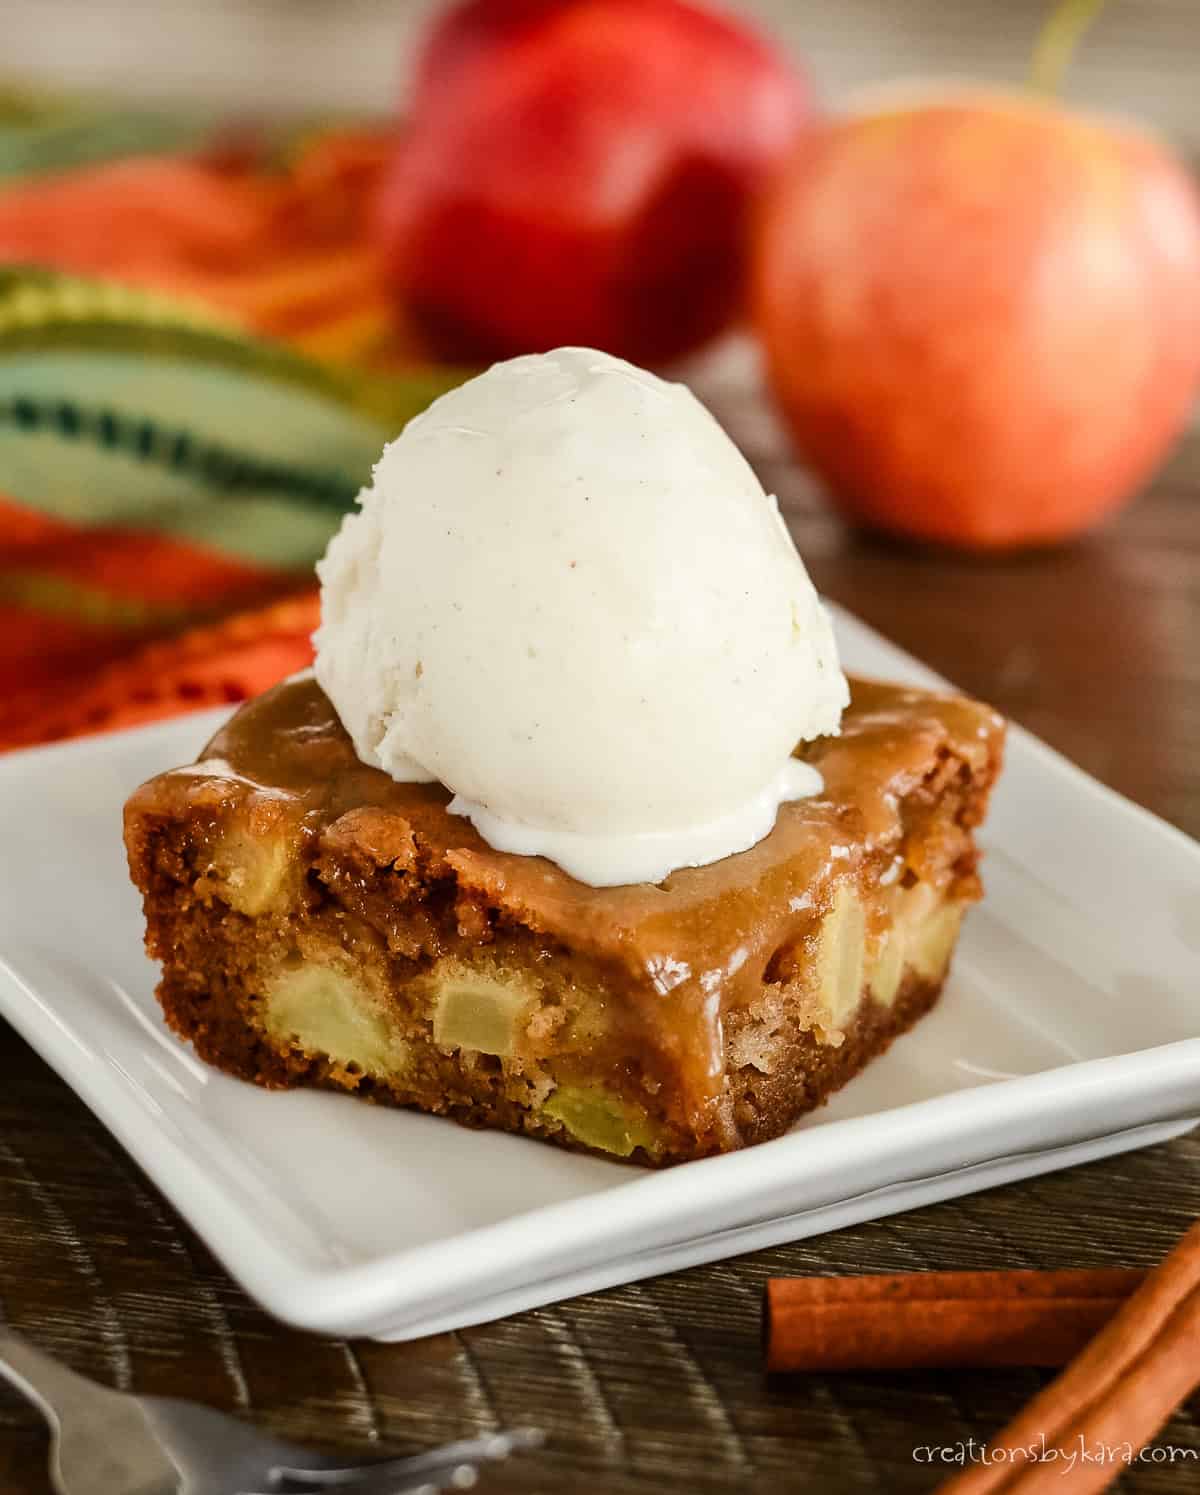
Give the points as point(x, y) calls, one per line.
point(320, 924)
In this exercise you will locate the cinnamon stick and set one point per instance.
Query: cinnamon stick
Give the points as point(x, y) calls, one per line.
point(1119, 1391)
point(947, 1319)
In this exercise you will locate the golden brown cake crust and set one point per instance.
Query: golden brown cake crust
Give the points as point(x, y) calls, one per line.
point(693, 1002)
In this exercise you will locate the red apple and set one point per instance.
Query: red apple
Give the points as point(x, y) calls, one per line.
point(468, 31)
point(580, 171)
point(981, 314)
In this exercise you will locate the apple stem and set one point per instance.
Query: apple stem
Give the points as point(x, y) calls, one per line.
point(1057, 41)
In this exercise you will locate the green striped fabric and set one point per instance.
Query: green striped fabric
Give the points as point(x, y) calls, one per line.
point(121, 406)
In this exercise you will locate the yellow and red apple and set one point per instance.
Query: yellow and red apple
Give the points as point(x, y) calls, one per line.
point(981, 314)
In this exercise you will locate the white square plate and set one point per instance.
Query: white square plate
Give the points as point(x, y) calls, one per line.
point(1065, 1033)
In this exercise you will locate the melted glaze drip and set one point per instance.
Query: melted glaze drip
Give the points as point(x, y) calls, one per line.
point(685, 949)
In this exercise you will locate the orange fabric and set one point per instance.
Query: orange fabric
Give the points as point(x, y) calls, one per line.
point(226, 662)
point(287, 253)
point(137, 565)
point(91, 618)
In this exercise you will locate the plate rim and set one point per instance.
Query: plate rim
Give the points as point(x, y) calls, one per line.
point(328, 1299)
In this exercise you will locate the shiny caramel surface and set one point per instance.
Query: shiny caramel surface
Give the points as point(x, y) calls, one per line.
point(701, 939)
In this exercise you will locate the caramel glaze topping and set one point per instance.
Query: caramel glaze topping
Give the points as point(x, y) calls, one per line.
point(685, 948)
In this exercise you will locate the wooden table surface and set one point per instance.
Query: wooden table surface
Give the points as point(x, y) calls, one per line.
point(658, 1385)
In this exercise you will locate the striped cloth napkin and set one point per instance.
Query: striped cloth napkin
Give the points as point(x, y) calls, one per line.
point(199, 362)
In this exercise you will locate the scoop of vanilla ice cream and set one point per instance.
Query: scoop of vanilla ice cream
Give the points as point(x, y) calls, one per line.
point(566, 596)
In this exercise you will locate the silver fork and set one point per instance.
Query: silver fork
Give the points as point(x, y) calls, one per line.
point(105, 1442)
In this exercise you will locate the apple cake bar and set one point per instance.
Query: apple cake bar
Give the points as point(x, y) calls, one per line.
point(318, 923)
